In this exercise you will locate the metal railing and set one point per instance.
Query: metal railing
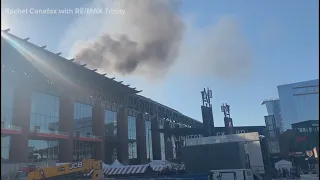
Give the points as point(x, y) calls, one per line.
point(50, 132)
point(10, 126)
point(257, 173)
point(91, 136)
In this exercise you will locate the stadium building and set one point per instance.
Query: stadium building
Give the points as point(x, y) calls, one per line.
point(53, 108)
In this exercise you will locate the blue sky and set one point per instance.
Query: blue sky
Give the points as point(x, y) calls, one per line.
point(282, 37)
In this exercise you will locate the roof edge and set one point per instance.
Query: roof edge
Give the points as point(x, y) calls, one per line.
point(6, 31)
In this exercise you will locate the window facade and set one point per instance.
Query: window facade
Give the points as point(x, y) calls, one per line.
point(110, 123)
point(132, 136)
point(44, 113)
point(149, 140)
point(110, 131)
point(5, 147)
point(273, 108)
point(271, 126)
point(82, 150)
point(114, 154)
point(299, 102)
point(82, 119)
point(174, 152)
point(273, 145)
point(82, 127)
point(306, 130)
point(43, 150)
point(7, 92)
point(162, 144)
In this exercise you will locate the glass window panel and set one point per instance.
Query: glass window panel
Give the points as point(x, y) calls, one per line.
point(162, 146)
point(148, 140)
point(272, 134)
point(5, 147)
point(42, 150)
point(43, 111)
point(83, 119)
point(82, 150)
point(110, 120)
point(270, 128)
point(132, 137)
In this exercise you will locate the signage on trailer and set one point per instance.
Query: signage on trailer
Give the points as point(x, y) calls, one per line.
point(60, 168)
point(224, 133)
point(75, 165)
point(183, 138)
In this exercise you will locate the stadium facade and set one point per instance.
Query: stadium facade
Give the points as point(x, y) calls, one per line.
point(56, 109)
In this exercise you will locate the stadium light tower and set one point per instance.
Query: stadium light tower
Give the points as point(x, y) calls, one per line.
point(207, 116)
point(228, 123)
point(225, 108)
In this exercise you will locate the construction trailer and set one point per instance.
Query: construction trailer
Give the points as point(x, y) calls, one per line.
point(235, 151)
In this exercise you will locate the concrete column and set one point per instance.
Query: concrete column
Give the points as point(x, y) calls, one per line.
point(98, 130)
point(141, 139)
point(156, 147)
point(21, 117)
point(122, 135)
point(110, 144)
point(66, 110)
point(168, 142)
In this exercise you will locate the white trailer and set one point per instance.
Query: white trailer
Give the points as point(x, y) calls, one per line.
point(231, 174)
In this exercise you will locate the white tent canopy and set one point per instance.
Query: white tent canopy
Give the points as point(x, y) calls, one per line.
point(283, 164)
point(105, 166)
point(116, 163)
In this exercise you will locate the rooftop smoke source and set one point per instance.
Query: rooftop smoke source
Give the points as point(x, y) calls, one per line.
point(150, 37)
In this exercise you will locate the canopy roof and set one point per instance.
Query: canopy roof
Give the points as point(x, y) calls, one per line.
point(75, 72)
point(283, 164)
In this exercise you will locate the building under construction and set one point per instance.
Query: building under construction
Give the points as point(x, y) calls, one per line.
point(53, 108)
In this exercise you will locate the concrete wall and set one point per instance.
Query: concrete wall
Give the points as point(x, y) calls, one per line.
point(122, 135)
point(66, 125)
point(21, 117)
point(155, 134)
point(141, 139)
point(98, 129)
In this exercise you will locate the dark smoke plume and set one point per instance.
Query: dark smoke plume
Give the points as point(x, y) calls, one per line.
point(150, 39)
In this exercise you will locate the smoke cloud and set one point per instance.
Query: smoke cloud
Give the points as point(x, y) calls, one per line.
point(150, 41)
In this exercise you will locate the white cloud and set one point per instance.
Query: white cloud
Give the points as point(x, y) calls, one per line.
point(218, 51)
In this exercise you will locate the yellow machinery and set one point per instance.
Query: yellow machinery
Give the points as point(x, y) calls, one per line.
point(86, 169)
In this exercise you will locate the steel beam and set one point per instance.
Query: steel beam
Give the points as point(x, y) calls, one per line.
point(145, 105)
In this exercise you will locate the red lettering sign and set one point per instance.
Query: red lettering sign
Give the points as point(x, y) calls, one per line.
point(302, 138)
